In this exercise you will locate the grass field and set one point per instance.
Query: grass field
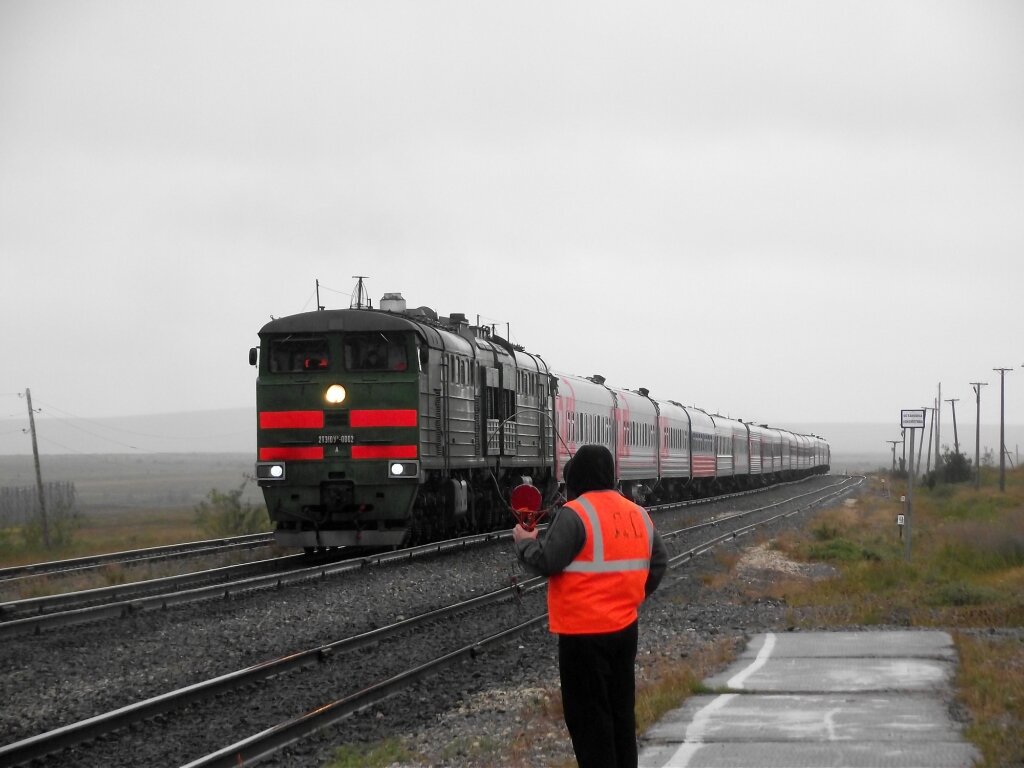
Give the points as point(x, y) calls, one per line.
point(965, 574)
point(124, 502)
point(133, 481)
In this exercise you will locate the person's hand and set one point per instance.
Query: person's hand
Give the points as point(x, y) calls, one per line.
point(519, 534)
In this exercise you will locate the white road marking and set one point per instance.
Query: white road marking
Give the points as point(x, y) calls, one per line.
point(737, 680)
point(694, 737)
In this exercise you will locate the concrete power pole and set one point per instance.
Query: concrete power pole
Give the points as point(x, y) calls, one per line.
point(938, 427)
point(931, 426)
point(976, 386)
point(920, 446)
point(39, 474)
point(956, 437)
point(1002, 427)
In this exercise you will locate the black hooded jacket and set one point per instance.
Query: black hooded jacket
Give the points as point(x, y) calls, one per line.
point(591, 469)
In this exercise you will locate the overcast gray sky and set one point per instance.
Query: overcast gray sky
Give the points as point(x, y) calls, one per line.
point(783, 211)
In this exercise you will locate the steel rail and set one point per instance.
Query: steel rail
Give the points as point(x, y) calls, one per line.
point(685, 557)
point(738, 515)
point(68, 601)
point(136, 603)
point(277, 737)
point(166, 551)
point(74, 733)
point(260, 745)
point(126, 599)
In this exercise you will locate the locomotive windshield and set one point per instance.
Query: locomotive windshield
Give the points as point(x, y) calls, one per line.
point(290, 354)
point(376, 352)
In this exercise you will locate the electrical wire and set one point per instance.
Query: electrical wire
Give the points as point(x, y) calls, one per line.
point(130, 431)
point(47, 441)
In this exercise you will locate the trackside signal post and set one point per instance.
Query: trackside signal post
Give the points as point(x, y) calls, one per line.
point(913, 420)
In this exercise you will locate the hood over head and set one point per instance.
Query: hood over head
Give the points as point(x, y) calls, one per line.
point(591, 469)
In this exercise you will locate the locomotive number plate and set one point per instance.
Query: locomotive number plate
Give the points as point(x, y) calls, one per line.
point(335, 439)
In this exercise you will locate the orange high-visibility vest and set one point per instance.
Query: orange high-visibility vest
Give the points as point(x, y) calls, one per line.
point(602, 587)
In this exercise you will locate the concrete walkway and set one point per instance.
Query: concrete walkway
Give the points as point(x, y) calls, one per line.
point(833, 699)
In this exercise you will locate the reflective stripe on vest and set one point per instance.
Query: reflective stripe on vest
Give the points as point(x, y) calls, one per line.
point(600, 590)
point(599, 564)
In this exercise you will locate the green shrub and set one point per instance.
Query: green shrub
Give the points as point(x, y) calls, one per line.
point(841, 550)
point(224, 514)
point(961, 593)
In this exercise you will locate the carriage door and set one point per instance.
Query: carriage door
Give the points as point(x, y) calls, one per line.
point(500, 411)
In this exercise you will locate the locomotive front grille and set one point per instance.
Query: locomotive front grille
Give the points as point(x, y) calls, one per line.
point(336, 419)
point(337, 496)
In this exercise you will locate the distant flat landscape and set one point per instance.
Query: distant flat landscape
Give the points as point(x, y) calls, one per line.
point(122, 481)
point(176, 459)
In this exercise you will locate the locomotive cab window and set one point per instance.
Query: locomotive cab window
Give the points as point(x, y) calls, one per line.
point(291, 354)
point(375, 352)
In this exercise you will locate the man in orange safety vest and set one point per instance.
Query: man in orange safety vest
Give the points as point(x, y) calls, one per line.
point(602, 558)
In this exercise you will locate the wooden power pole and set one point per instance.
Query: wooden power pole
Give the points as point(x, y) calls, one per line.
point(1002, 427)
point(39, 474)
point(976, 386)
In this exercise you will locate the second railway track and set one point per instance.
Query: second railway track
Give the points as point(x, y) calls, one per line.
point(357, 673)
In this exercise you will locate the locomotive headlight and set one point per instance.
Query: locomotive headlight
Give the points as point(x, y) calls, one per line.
point(335, 394)
point(270, 470)
point(403, 469)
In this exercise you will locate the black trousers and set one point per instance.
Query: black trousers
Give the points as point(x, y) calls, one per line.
point(598, 694)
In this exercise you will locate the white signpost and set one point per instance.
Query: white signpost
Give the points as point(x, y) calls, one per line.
point(911, 419)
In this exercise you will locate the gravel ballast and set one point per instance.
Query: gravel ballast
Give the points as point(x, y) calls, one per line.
point(500, 708)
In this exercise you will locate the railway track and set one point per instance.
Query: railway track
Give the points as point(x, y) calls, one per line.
point(489, 619)
point(34, 615)
point(136, 556)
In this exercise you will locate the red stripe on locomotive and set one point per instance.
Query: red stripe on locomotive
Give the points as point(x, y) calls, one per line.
point(304, 453)
point(383, 418)
point(384, 452)
point(291, 419)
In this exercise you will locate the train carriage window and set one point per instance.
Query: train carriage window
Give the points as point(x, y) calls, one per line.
point(290, 354)
point(376, 352)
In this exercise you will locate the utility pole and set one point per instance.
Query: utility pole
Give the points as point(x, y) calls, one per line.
point(39, 474)
point(956, 437)
point(921, 445)
point(976, 386)
point(1002, 427)
point(903, 461)
point(910, 498)
point(894, 443)
point(928, 466)
point(909, 419)
point(938, 428)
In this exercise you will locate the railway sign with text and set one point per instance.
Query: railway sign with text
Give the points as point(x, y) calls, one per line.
point(912, 419)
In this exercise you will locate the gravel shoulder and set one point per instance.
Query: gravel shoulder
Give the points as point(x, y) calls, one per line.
point(503, 709)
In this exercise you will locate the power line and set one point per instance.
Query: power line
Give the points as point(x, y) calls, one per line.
point(101, 425)
point(49, 441)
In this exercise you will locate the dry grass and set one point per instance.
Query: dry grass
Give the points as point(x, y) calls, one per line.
point(966, 572)
point(664, 682)
point(990, 681)
point(116, 531)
